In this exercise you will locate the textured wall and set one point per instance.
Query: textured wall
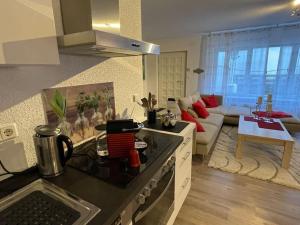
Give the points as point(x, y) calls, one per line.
point(22, 85)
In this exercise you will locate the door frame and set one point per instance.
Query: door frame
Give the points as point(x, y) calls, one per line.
point(185, 70)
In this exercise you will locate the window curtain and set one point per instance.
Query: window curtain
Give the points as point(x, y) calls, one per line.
point(244, 65)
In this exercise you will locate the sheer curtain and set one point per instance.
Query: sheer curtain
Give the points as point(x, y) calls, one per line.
point(244, 65)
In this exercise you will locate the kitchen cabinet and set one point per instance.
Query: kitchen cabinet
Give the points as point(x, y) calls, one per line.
point(183, 167)
point(28, 34)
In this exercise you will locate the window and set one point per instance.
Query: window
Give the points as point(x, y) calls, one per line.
point(220, 72)
point(244, 65)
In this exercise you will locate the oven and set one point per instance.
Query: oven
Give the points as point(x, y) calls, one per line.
point(159, 206)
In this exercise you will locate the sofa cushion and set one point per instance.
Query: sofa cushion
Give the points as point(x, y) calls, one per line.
point(211, 101)
point(187, 117)
point(217, 110)
point(200, 110)
point(214, 119)
point(185, 103)
point(193, 113)
point(208, 136)
point(196, 97)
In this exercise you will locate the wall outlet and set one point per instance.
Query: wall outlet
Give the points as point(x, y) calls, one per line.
point(8, 131)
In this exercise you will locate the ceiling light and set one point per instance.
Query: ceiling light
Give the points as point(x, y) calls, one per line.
point(296, 2)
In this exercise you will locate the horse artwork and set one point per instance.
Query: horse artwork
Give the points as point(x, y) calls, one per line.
point(76, 110)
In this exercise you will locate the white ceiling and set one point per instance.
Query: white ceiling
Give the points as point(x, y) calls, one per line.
point(175, 18)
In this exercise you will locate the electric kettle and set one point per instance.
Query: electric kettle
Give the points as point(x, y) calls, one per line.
point(51, 156)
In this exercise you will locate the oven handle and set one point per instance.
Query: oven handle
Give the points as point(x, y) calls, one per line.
point(141, 214)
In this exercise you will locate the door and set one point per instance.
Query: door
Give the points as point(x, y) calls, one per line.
point(171, 76)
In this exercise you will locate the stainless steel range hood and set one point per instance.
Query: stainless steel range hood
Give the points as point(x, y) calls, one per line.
point(91, 27)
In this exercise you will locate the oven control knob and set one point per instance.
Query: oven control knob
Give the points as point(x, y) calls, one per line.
point(171, 162)
point(153, 183)
point(147, 192)
point(141, 199)
point(165, 169)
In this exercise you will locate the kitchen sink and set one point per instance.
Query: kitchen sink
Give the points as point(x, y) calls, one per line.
point(42, 202)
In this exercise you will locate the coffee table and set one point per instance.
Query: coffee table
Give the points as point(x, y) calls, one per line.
point(250, 132)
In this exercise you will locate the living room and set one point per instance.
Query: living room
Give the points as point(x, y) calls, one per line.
point(146, 112)
point(241, 65)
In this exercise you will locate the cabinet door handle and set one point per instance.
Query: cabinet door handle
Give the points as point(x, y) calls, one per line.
point(186, 156)
point(185, 143)
point(186, 182)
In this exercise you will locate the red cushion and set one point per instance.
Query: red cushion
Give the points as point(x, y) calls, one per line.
point(200, 110)
point(188, 117)
point(210, 101)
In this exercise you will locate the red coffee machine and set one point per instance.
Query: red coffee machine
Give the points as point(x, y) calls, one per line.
point(120, 138)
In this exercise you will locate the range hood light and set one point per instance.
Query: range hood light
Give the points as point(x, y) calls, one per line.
point(106, 25)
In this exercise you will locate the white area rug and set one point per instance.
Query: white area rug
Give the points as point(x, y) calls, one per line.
point(259, 160)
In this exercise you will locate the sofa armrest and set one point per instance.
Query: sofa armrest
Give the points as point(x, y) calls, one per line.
point(219, 97)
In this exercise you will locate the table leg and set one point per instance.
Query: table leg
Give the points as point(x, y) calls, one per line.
point(287, 154)
point(239, 150)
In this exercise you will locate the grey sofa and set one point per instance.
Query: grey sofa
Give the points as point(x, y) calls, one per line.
point(222, 115)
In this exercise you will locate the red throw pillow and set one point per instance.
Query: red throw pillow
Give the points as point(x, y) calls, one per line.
point(200, 110)
point(210, 101)
point(188, 117)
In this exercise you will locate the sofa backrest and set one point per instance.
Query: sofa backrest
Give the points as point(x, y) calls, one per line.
point(219, 97)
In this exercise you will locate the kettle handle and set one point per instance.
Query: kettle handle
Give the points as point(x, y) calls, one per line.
point(64, 157)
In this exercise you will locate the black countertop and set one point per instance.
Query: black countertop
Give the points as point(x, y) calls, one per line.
point(180, 126)
point(110, 199)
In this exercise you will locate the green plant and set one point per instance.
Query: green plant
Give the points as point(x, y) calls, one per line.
point(58, 104)
point(82, 102)
point(93, 101)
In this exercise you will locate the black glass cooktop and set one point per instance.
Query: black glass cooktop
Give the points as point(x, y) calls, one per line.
point(118, 171)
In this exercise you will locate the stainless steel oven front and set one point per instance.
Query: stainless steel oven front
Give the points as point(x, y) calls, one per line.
point(159, 205)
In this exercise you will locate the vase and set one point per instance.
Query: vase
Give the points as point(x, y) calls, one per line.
point(151, 117)
point(65, 127)
point(81, 124)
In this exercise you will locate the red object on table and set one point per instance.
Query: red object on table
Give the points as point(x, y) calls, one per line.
point(277, 115)
point(250, 119)
point(120, 144)
point(270, 126)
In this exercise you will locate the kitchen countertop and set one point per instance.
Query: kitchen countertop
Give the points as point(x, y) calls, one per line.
point(111, 199)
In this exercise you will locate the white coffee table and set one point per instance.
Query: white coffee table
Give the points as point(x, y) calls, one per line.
point(250, 132)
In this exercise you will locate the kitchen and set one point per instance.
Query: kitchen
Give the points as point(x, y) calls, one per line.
point(24, 107)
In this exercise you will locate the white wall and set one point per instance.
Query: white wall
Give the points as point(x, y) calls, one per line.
point(20, 86)
point(190, 44)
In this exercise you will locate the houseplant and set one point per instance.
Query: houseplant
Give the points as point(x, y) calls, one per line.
point(58, 104)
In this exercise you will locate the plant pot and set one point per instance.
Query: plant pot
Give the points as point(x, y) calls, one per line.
point(151, 117)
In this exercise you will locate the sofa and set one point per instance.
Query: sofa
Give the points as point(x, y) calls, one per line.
point(222, 115)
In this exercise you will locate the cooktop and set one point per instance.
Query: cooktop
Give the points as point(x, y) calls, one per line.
point(117, 171)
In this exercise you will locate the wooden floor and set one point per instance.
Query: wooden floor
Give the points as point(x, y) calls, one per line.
point(220, 198)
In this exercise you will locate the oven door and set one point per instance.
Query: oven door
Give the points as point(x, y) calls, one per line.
point(159, 207)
